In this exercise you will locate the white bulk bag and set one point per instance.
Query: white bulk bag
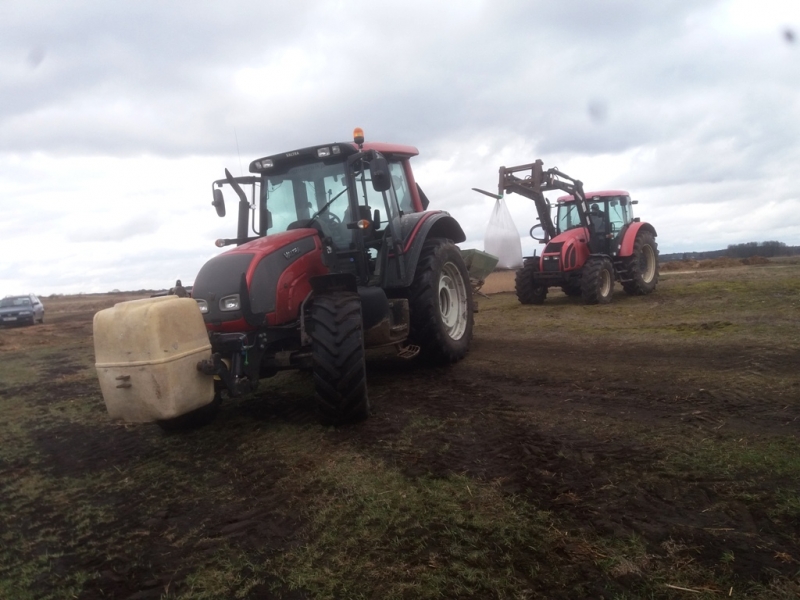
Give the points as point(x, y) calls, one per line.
point(502, 238)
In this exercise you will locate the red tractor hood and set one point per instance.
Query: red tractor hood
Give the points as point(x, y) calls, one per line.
point(269, 276)
point(269, 244)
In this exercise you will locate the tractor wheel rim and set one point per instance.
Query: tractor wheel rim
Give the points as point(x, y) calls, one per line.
point(453, 301)
point(647, 264)
point(605, 283)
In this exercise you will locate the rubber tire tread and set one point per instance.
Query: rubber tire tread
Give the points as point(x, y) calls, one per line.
point(592, 280)
point(427, 329)
point(337, 349)
point(527, 291)
point(637, 287)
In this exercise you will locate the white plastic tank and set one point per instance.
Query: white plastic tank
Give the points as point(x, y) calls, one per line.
point(146, 355)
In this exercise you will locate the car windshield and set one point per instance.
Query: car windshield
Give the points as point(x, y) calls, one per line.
point(15, 302)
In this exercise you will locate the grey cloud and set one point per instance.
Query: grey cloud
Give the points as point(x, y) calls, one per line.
point(96, 230)
point(495, 65)
point(700, 114)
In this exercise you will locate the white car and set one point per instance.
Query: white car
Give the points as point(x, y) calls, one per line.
point(21, 310)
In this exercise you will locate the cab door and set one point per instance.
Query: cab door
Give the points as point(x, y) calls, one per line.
point(617, 220)
point(382, 210)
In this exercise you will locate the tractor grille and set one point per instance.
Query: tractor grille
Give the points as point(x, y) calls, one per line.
point(550, 263)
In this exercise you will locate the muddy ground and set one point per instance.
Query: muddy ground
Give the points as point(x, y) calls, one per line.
point(648, 448)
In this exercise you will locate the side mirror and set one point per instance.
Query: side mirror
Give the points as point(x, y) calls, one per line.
point(381, 178)
point(219, 202)
point(266, 222)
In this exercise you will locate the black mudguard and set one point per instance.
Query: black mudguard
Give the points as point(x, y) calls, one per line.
point(416, 229)
point(333, 282)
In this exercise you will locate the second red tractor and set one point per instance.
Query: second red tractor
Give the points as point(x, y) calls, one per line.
point(594, 240)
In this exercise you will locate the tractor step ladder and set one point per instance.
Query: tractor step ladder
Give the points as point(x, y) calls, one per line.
point(407, 352)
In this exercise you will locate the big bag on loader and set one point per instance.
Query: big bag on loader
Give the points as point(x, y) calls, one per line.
point(502, 238)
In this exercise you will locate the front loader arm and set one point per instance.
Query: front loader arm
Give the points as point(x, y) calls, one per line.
point(538, 181)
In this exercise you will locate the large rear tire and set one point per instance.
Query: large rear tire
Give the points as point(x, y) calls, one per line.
point(441, 303)
point(642, 266)
point(337, 349)
point(597, 281)
point(529, 292)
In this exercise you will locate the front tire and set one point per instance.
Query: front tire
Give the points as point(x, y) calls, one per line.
point(642, 266)
point(528, 291)
point(441, 303)
point(337, 349)
point(597, 281)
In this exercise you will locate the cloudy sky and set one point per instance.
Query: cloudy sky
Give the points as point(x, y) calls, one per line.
point(115, 117)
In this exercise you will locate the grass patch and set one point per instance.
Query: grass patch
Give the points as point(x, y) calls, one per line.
point(426, 538)
point(779, 457)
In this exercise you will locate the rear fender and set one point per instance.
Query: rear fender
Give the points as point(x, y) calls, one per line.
point(629, 237)
point(417, 229)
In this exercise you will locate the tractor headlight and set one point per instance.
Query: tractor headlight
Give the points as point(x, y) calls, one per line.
point(323, 152)
point(229, 303)
point(265, 163)
point(202, 305)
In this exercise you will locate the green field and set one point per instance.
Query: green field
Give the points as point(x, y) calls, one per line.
point(649, 448)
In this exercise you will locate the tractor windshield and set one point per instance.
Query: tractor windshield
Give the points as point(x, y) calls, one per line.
point(619, 213)
point(568, 216)
point(314, 191)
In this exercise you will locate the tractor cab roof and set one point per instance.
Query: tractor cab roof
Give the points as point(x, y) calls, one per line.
point(329, 153)
point(591, 195)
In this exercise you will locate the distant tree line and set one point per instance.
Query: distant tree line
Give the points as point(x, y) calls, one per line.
point(765, 249)
point(746, 250)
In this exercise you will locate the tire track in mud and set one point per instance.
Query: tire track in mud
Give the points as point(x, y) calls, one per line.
point(466, 421)
point(148, 532)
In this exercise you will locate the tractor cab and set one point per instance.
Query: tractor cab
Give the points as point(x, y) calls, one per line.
point(593, 241)
point(609, 213)
point(352, 194)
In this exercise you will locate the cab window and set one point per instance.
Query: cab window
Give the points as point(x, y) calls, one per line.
point(568, 217)
point(617, 214)
point(401, 190)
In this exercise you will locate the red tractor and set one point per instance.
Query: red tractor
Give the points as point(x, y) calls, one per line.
point(340, 255)
point(594, 241)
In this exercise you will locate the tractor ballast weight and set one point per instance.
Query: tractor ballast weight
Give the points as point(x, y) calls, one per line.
point(340, 255)
point(593, 242)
